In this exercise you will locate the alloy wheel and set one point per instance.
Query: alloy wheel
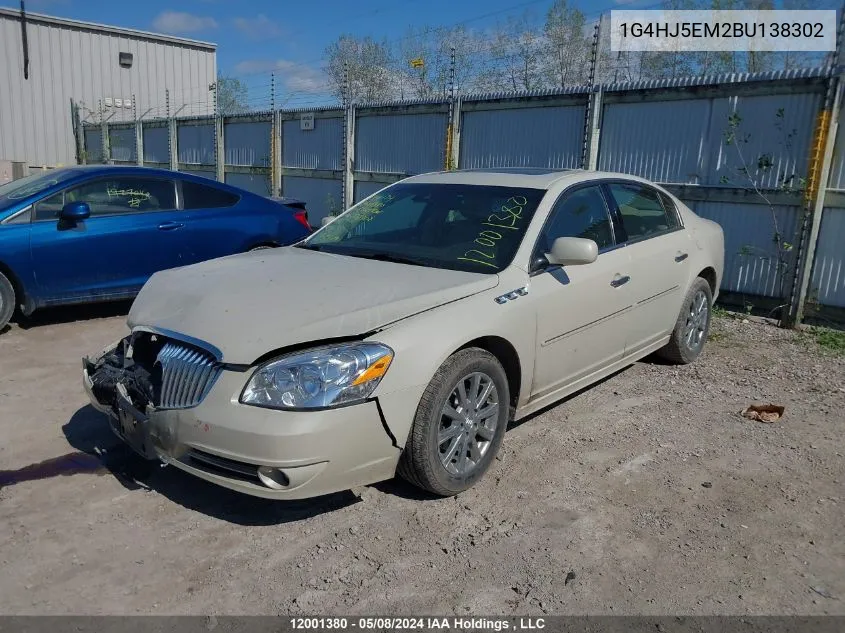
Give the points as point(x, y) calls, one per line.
point(468, 422)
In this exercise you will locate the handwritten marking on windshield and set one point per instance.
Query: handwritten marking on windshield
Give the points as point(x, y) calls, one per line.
point(511, 213)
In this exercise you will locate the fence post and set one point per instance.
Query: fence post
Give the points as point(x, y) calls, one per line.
point(220, 150)
point(349, 158)
point(104, 142)
point(139, 142)
point(826, 140)
point(173, 144)
point(454, 140)
point(277, 140)
point(595, 128)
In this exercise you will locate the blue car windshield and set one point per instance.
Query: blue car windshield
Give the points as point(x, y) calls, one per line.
point(17, 190)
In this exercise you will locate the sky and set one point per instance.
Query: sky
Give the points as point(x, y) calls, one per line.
point(255, 37)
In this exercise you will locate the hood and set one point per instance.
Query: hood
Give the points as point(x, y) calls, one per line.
point(251, 304)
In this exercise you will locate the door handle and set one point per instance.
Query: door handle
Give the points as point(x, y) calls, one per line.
point(170, 226)
point(619, 280)
point(681, 256)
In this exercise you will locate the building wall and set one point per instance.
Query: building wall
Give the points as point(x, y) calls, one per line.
point(76, 61)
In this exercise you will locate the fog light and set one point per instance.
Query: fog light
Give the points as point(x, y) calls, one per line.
point(273, 478)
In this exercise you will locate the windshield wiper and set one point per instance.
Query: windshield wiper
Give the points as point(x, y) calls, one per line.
point(310, 247)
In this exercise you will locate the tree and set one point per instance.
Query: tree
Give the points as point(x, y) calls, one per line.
point(566, 49)
point(231, 96)
point(368, 64)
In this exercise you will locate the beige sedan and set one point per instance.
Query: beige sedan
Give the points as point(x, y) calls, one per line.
point(404, 336)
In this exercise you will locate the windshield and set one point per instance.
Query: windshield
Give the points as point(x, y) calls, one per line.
point(474, 228)
point(22, 188)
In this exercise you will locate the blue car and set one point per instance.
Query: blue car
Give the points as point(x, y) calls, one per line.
point(86, 234)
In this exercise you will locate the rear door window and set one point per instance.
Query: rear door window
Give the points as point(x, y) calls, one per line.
point(197, 196)
point(642, 212)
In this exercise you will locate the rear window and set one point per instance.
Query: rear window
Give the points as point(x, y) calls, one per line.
point(196, 196)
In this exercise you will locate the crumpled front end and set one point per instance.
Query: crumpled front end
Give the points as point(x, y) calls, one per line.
point(141, 375)
point(173, 400)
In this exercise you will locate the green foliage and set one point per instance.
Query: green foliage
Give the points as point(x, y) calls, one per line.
point(232, 96)
point(830, 340)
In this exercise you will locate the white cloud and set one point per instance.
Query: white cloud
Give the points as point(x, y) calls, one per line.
point(293, 77)
point(260, 27)
point(181, 22)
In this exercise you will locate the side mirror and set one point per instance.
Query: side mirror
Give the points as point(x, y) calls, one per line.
point(573, 251)
point(75, 212)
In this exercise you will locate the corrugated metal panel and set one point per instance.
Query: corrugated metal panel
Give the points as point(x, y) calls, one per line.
point(524, 137)
point(202, 174)
point(665, 142)
point(156, 145)
point(196, 144)
point(256, 183)
point(322, 196)
point(365, 189)
point(248, 143)
point(785, 139)
point(827, 284)
point(122, 144)
point(751, 264)
point(320, 148)
point(70, 61)
point(94, 145)
point(408, 144)
point(685, 141)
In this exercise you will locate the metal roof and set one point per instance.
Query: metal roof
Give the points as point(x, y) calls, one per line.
point(103, 28)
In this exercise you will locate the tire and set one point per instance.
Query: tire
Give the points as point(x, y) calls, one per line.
point(692, 326)
point(7, 300)
point(469, 444)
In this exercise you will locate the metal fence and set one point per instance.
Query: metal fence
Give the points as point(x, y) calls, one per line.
point(710, 140)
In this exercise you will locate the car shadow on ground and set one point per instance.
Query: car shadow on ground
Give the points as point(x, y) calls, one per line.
point(87, 431)
point(71, 313)
point(99, 451)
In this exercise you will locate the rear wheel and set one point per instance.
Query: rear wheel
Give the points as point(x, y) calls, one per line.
point(7, 300)
point(459, 425)
point(692, 326)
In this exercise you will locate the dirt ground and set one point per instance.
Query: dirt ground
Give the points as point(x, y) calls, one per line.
point(646, 494)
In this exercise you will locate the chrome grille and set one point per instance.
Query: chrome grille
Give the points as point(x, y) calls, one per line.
point(187, 376)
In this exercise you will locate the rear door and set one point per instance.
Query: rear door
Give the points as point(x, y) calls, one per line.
point(131, 234)
point(658, 246)
point(581, 310)
point(215, 225)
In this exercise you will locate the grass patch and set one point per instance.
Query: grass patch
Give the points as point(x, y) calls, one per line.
point(830, 340)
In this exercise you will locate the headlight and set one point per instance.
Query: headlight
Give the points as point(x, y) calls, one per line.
point(320, 377)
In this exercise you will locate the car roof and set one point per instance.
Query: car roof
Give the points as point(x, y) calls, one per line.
point(106, 169)
point(533, 178)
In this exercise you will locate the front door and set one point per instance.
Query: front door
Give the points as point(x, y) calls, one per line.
point(659, 248)
point(132, 233)
point(581, 310)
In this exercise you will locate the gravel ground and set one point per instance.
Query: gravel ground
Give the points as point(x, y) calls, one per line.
point(646, 494)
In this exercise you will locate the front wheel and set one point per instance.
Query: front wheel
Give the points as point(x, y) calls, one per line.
point(692, 326)
point(459, 425)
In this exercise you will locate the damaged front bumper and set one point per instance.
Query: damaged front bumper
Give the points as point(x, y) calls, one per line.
point(262, 452)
